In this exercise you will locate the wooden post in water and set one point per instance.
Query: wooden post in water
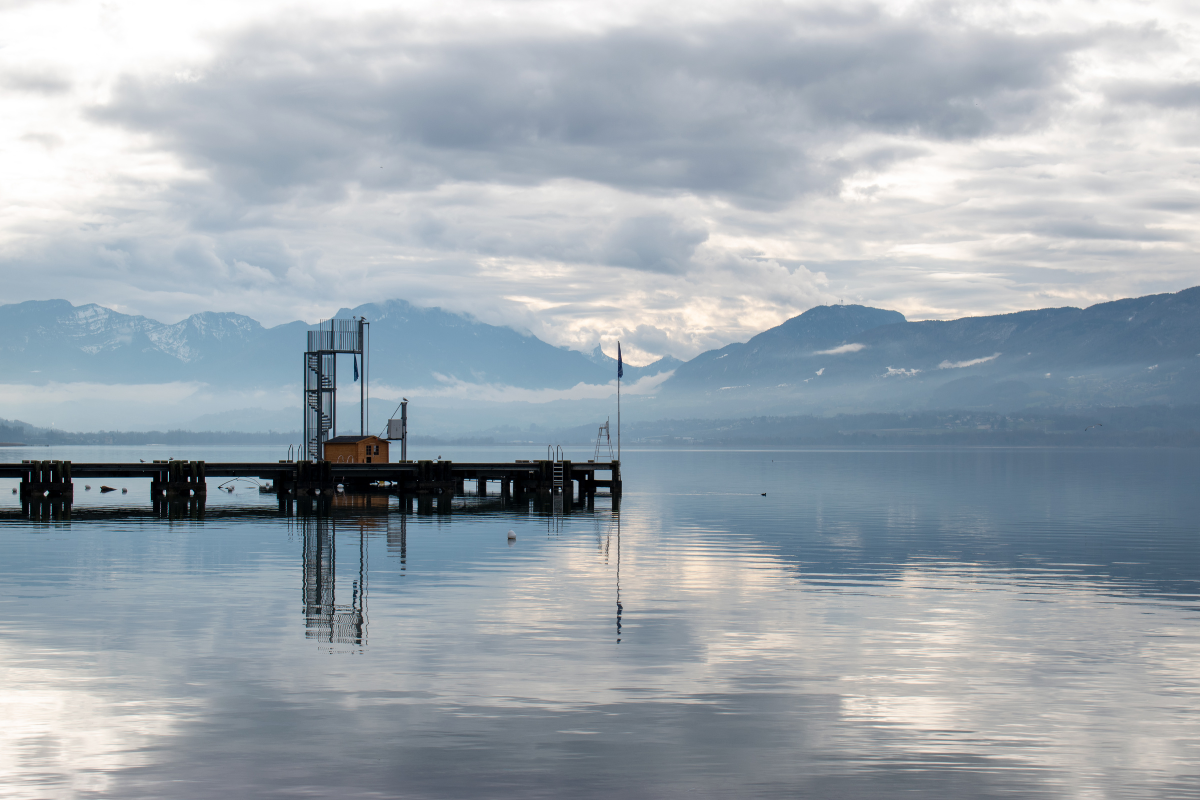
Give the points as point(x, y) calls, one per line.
point(568, 486)
point(47, 479)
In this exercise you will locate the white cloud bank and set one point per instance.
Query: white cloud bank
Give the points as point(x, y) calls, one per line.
point(452, 387)
point(845, 348)
point(960, 364)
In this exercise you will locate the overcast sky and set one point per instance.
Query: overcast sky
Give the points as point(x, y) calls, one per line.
point(678, 175)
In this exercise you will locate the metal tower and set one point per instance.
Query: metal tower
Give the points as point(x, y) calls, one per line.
point(331, 338)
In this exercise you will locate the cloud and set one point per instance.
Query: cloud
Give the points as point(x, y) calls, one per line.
point(844, 348)
point(581, 174)
point(37, 81)
point(657, 243)
point(971, 363)
point(1184, 94)
point(893, 372)
point(753, 109)
point(456, 388)
point(89, 406)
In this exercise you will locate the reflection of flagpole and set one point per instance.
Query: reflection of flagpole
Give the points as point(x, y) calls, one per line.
point(617, 514)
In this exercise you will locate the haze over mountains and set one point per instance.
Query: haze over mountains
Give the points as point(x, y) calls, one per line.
point(88, 367)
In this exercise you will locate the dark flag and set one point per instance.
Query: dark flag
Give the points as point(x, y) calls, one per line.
point(620, 365)
point(356, 368)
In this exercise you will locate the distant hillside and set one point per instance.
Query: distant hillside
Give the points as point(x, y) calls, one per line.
point(850, 358)
point(18, 432)
point(52, 340)
point(785, 352)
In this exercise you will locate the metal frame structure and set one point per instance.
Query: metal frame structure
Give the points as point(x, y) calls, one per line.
point(333, 337)
point(397, 429)
point(603, 437)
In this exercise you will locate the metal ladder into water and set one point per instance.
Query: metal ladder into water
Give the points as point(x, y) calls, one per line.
point(554, 454)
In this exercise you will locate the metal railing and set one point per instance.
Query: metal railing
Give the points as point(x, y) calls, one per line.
point(336, 336)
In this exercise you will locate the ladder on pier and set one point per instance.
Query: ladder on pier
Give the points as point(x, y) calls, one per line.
point(559, 478)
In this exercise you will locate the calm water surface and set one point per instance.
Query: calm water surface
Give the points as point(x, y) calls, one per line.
point(975, 623)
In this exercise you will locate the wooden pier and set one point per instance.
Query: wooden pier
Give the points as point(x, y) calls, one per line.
point(574, 481)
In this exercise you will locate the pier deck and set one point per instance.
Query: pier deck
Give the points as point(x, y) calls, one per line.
point(55, 479)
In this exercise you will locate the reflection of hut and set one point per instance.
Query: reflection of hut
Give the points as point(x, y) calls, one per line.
point(356, 450)
point(362, 502)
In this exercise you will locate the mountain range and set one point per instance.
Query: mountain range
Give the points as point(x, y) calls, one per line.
point(828, 360)
point(54, 341)
point(852, 358)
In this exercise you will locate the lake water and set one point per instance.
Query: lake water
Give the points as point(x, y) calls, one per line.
point(882, 623)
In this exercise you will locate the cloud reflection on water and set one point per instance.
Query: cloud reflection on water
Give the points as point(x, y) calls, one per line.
point(861, 640)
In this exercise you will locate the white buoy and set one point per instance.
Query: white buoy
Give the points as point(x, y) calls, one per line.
point(511, 536)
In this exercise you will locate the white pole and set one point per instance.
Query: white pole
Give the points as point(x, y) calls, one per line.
point(618, 414)
point(366, 385)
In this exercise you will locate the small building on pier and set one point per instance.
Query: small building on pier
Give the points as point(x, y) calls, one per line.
point(356, 450)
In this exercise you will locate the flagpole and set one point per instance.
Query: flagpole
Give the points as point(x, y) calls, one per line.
point(620, 372)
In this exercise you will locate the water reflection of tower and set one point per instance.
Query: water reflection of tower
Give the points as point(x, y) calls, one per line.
point(324, 618)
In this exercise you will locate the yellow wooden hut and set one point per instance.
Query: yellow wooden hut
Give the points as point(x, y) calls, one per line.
point(356, 450)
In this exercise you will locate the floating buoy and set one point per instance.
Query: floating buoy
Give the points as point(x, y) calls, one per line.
point(511, 536)
point(764, 494)
point(87, 488)
point(124, 491)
